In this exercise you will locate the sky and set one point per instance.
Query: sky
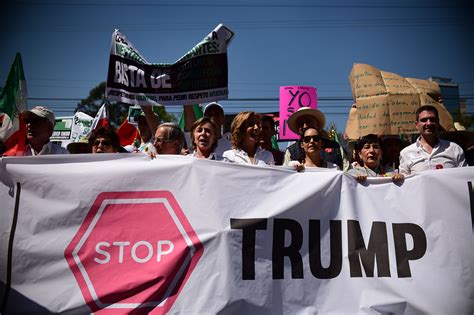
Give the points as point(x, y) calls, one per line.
point(65, 45)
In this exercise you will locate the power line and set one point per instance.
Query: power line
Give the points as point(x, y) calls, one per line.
point(243, 5)
point(253, 99)
point(272, 24)
point(53, 99)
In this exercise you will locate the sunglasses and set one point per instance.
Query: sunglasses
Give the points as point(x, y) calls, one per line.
point(104, 143)
point(307, 139)
point(35, 120)
point(431, 119)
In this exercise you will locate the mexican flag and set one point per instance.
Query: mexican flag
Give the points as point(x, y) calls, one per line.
point(13, 100)
point(101, 118)
point(127, 133)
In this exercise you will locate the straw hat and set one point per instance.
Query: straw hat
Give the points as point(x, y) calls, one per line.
point(303, 111)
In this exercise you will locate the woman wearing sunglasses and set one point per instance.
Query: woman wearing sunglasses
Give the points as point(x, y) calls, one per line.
point(104, 140)
point(311, 142)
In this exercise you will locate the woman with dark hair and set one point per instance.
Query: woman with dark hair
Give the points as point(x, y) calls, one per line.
point(369, 151)
point(104, 140)
point(245, 139)
point(312, 143)
point(204, 135)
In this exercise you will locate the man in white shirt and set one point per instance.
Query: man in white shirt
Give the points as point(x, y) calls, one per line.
point(429, 152)
point(39, 128)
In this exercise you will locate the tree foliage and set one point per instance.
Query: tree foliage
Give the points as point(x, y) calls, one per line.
point(117, 111)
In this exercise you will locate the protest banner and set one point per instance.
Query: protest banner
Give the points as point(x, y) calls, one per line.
point(386, 102)
point(62, 129)
point(168, 235)
point(71, 128)
point(81, 126)
point(199, 76)
point(291, 99)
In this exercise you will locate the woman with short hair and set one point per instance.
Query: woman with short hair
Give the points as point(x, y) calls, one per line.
point(104, 140)
point(204, 136)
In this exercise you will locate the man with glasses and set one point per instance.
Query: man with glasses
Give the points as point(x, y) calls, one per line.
point(39, 128)
point(429, 152)
point(169, 139)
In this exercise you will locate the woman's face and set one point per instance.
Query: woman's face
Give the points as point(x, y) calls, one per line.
point(204, 138)
point(370, 154)
point(102, 145)
point(252, 131)
point(311, 141)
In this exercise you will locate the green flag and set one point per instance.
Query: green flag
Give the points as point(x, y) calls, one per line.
point(13, 99)
point(197, 112)
point(13, 94)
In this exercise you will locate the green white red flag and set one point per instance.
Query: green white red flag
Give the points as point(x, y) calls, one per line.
point(127, 133)
point(13, 100)
point(101, 119)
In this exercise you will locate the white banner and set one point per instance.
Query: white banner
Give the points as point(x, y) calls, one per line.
point(71, 129)
point(122, 233)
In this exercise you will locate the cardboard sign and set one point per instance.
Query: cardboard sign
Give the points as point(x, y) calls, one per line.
point(386, 102)
point(291, 99)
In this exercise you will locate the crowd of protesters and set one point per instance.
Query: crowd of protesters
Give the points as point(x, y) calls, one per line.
point(250, 142)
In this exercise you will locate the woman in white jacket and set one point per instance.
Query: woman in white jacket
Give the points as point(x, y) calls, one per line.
point(245, 139)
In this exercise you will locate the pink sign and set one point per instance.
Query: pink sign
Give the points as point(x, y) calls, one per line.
point(291, 99)
point(134, 252)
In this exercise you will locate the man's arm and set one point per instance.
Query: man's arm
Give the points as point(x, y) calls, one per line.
point(189, 117)
point(151, 118)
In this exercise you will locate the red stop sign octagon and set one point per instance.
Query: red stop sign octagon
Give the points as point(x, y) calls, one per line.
point(134, 250)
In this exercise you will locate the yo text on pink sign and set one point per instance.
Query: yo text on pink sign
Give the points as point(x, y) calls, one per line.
point(291, 99)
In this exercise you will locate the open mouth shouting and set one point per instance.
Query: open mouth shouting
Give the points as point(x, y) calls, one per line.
point(203, 141)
